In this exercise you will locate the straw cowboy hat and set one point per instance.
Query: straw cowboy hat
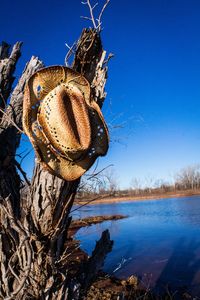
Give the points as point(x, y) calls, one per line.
point(64, 124)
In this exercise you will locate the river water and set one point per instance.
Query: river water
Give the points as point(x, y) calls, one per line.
point(159, 241)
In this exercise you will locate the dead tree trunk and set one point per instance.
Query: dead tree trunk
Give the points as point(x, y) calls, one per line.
point(11, 124)
point(36, 254)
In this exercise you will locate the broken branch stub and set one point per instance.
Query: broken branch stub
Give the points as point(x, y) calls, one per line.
point(8, 61)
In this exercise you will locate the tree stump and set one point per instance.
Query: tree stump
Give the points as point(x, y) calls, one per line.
point(36, 253)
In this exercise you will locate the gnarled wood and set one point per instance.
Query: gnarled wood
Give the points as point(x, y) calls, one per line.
point(8, 63)
point(10, 134)
point(96, 261)
point(38, 258)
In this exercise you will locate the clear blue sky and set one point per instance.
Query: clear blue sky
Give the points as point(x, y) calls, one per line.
point(154, 78)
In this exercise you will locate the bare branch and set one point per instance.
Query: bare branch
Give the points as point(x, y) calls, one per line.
point(96, 174)
point(86, 18)
point(96, 25)
point(101, 13)
point(22, 158)
point(88, 202)
point(71, 51)
point(3, 99)
point(24, 240)
point(22, 172)
point(91, 13)
point(106, 61)
point(11, 120)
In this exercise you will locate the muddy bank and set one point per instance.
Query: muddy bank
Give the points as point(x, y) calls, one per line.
point(77, 224)
point(95, 220)
point(105, 288)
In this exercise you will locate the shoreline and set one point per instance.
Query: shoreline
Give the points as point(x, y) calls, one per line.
point(93, 220)
point(109, 286)
point(117, 199)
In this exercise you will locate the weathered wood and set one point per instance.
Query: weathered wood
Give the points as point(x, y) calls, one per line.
point(51, 200)
point(90, 61)
point(96, 261)
point(8, 63)
point(10, 134)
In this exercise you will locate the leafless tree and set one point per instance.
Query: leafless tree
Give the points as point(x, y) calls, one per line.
point(148, 181)
point(112, 184)
point(98, 184)
point(188, 178)
point(135, 185)
point(37, 256)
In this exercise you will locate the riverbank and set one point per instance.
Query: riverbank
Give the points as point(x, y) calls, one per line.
point(78, 224)
point(108, 287)
point(124, 198)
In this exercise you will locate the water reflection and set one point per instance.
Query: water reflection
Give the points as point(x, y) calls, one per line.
point(183, 265)
point(160, 241)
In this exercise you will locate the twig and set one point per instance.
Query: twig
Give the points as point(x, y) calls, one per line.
point(3, 99)
point(22, 158)
point(93, 175)
point(101, 13)
point(18, 165)
point(88, 202)
point(10, 119)
point(11, 269)
point(26, 273)
point(71, 51)
point(97, 26)
point(18, 227)
point(91, 13)
point(66, 255)
point(110, 55)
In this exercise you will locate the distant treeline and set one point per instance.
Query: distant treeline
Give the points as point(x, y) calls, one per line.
point(106, 184)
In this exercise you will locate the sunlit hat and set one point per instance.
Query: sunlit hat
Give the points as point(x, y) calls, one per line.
point(64, 124)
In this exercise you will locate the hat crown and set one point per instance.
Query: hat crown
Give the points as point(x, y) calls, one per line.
point(64, 119)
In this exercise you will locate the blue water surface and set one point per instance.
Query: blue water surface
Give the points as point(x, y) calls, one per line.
point(159, 241)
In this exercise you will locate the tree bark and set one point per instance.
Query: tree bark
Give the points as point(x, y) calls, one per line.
point(8, 63)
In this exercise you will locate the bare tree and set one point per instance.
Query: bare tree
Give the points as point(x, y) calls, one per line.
point(98, 184)
point(188, 178)
point(135, 185)
point(37, 257)
point(112, 185)
point(149, 183)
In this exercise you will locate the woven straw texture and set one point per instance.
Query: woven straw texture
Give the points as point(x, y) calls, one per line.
point(63, 123)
